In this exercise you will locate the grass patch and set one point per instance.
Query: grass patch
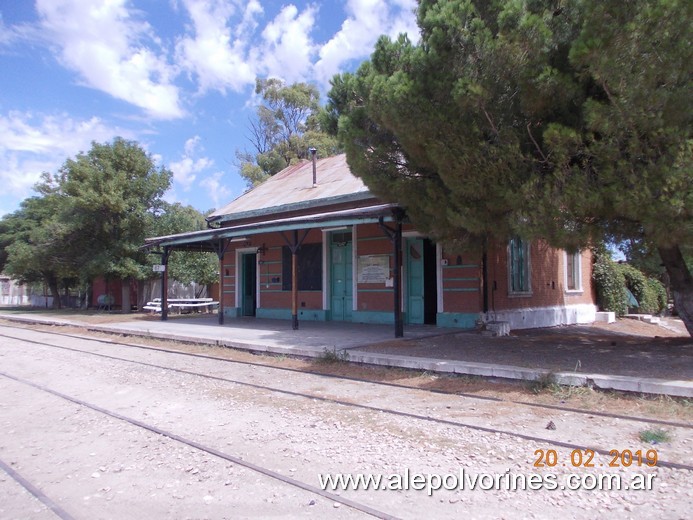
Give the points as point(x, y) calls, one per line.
point(567, 392)
point(542, 383)
point(330, 357)
point(654, 436)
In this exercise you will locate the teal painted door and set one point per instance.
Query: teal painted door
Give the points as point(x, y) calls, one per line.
point(341, 273)
point(249, 284)
point(415, 280)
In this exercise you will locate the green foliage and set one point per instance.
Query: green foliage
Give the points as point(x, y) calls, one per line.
point(33, 242)
point(646, 290)
point(654, 436)
point(609, 282)
point(286, 125)
point(568, 122)
point(660, 293)
point(542, 382)
point(106, 198)
point(89, 219)
point(611, 279)
point(185, 266)
point(331, 357)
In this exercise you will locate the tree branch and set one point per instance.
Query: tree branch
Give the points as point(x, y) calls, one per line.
point(546, 159)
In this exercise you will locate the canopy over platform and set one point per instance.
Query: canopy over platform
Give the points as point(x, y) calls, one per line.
point(208, 240)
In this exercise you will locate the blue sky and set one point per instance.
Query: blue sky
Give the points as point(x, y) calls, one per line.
point(175, 75)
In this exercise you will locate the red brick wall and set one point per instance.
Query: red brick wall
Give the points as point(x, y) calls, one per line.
point(271, 294)
point(547, 279)
point(371, 240)
point(462, 285)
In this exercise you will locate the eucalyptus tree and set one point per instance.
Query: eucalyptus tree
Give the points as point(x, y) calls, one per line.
point(286, 124)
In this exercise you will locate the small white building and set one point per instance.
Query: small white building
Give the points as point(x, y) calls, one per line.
point(12, 293)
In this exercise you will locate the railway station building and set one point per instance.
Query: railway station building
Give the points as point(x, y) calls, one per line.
point(312, 243)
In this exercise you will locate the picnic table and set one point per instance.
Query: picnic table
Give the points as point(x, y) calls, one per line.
point(182, 304)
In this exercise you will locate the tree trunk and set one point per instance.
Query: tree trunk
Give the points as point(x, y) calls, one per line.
point(125, 291)
point(55, 291)
point(144, 290)
point(681, 283)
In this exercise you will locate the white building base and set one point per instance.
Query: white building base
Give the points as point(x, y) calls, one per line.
point(606, 317)
point(534, 318)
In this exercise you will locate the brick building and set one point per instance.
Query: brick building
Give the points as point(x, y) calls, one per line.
point(312, 243)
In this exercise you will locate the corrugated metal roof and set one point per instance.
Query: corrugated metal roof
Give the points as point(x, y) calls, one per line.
point(203, 240)
point(294, 186)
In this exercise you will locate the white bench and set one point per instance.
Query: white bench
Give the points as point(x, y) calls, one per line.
point(181, 303)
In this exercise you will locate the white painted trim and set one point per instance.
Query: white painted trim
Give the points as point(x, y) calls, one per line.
point(339, 228)
point(326, 265)
point(439, 278)
point(579, 289)
point(354, 270)
point(239, 253)
point(325, 269)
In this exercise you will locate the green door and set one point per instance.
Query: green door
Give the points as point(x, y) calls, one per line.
point(249, 284)
point(341, 274)
point(415, 280)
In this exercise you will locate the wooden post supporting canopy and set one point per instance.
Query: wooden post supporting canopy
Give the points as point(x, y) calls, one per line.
point(294, 284)
point(220, 249)
point(395, 236)
point(164, 284)
point(294, 245)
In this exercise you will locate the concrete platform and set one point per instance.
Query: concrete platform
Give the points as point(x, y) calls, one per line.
point(375, 345)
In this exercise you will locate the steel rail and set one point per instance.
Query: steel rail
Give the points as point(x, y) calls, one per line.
point(361, 380)
point(40, 495)
point(399, 413)
point(207, 449)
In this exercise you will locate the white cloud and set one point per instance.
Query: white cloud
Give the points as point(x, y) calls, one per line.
point(106, 44)
point(218, 192)
point(366, 21)
point(225, 51)
point(216, 54)
point(186, 169)
point(288, 49)
point(405, 20)
point(32, 144)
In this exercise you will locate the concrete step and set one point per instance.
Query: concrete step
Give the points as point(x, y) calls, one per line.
point(647, 318)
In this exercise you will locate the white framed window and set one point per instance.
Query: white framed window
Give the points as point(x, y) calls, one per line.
point(519, 267)
point(573, 271)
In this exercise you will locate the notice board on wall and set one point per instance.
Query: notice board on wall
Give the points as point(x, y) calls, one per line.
point(373, 268)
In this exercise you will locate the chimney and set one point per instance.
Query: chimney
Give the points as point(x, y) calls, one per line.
point(313, 151)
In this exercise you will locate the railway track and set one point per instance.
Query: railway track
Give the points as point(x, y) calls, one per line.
point(137, 346)
point(545, 441)
point(183, 440)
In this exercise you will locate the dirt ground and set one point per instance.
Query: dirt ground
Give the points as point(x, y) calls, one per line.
point(97, 467)
point(627, 347)
point(661, 407)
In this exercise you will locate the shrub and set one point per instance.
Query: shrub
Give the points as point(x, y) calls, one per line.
point(609, 282)
point(646, 290)
point(661, 293)
point(329, 357)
